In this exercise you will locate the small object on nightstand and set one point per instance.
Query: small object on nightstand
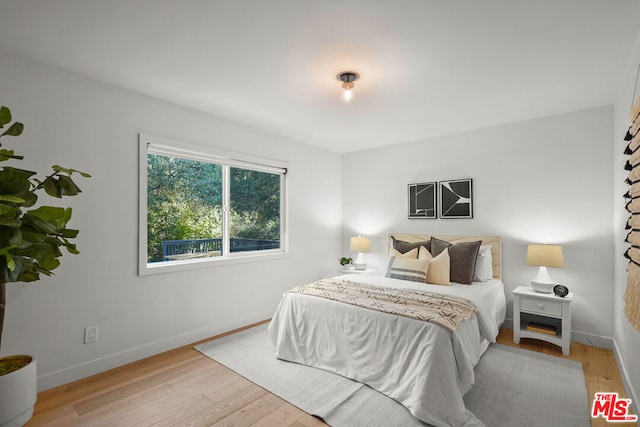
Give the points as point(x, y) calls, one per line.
point(346, 263)
point(541, 328)
point(561, 290)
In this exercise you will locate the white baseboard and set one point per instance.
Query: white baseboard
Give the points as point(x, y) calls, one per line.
point(82, 370)
point(577, 336)
point(628, 386)
point(592, 340)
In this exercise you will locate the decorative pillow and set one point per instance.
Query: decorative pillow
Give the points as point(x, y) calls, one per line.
point(484, 265)
point(439, 267)
point(413, 253)
point(402, 246)
point(463, 258)
point(414, 270)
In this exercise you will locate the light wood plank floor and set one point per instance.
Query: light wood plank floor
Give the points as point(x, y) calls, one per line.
point(183, 387)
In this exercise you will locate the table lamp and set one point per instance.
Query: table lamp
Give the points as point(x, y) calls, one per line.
point(360, 245)
point(544, 256)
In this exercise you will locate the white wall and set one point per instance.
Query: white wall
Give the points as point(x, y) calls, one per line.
point(627, 339)
point(546, 180)
point(94, 127)
point(543, 180)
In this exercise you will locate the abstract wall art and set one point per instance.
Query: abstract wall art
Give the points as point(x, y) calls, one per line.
point(423, 200)
point(456, 198)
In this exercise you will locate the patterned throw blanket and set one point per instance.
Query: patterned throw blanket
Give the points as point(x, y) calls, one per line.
point(444, 310)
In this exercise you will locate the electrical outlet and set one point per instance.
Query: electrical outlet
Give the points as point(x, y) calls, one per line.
point(90, 334)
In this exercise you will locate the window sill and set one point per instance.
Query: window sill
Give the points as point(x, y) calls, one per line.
point(211, 262)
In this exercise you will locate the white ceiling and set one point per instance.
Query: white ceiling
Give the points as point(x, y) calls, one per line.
point(428, 67)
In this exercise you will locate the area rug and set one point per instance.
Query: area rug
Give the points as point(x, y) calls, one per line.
point(514, 387)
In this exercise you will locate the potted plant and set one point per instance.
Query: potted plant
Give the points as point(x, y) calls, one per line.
point(30, 242)
point(346, 263)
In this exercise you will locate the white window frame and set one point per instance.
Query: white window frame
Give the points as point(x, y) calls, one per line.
point(170, 147)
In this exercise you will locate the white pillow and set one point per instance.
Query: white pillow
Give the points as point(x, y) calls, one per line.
point(439, 272)
point(484, 265)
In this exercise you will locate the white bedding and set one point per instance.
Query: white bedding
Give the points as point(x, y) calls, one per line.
point(419, 364)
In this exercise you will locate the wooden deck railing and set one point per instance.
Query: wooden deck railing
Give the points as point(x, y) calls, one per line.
point(201, 248)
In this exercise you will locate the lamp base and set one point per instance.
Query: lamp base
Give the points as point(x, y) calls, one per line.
point(360, 263)
point(542, 282)
point(544, 288)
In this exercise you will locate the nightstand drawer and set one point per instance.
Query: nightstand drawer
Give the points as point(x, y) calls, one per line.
point(549, 308)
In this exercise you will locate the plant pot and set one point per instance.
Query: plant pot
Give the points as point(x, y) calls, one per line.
point(18, 392)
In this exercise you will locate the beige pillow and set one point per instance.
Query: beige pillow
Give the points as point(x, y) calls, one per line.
point(439, 267)
point(414, 270)
point(413, 253)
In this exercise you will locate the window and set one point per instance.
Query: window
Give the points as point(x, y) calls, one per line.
point(199, 206)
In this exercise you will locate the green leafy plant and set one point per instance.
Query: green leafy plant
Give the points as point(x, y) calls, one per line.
point(31, 239)
point(345, 261)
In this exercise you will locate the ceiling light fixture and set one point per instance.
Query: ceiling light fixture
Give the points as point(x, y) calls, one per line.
point(347, 78)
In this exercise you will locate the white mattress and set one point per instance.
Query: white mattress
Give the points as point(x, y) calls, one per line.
point(419, 364)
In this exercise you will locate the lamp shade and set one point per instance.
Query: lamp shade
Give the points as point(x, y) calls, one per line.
point(545, 255)
point(359, 244)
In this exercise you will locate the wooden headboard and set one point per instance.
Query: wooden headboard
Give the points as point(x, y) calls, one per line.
point(494, 241)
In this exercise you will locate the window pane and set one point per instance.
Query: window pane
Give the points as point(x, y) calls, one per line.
point(184, 208)
point(254, 217)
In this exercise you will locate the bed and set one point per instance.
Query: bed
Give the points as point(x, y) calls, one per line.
point(425, 366)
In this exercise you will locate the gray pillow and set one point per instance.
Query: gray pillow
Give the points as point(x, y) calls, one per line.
point(463, 258)
point(404, 247)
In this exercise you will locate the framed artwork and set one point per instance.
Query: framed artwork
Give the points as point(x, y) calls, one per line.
point(456, 198)
point(422, 200)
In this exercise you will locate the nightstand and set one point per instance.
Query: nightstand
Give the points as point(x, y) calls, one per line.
point(545, 317)
point(354, 271)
